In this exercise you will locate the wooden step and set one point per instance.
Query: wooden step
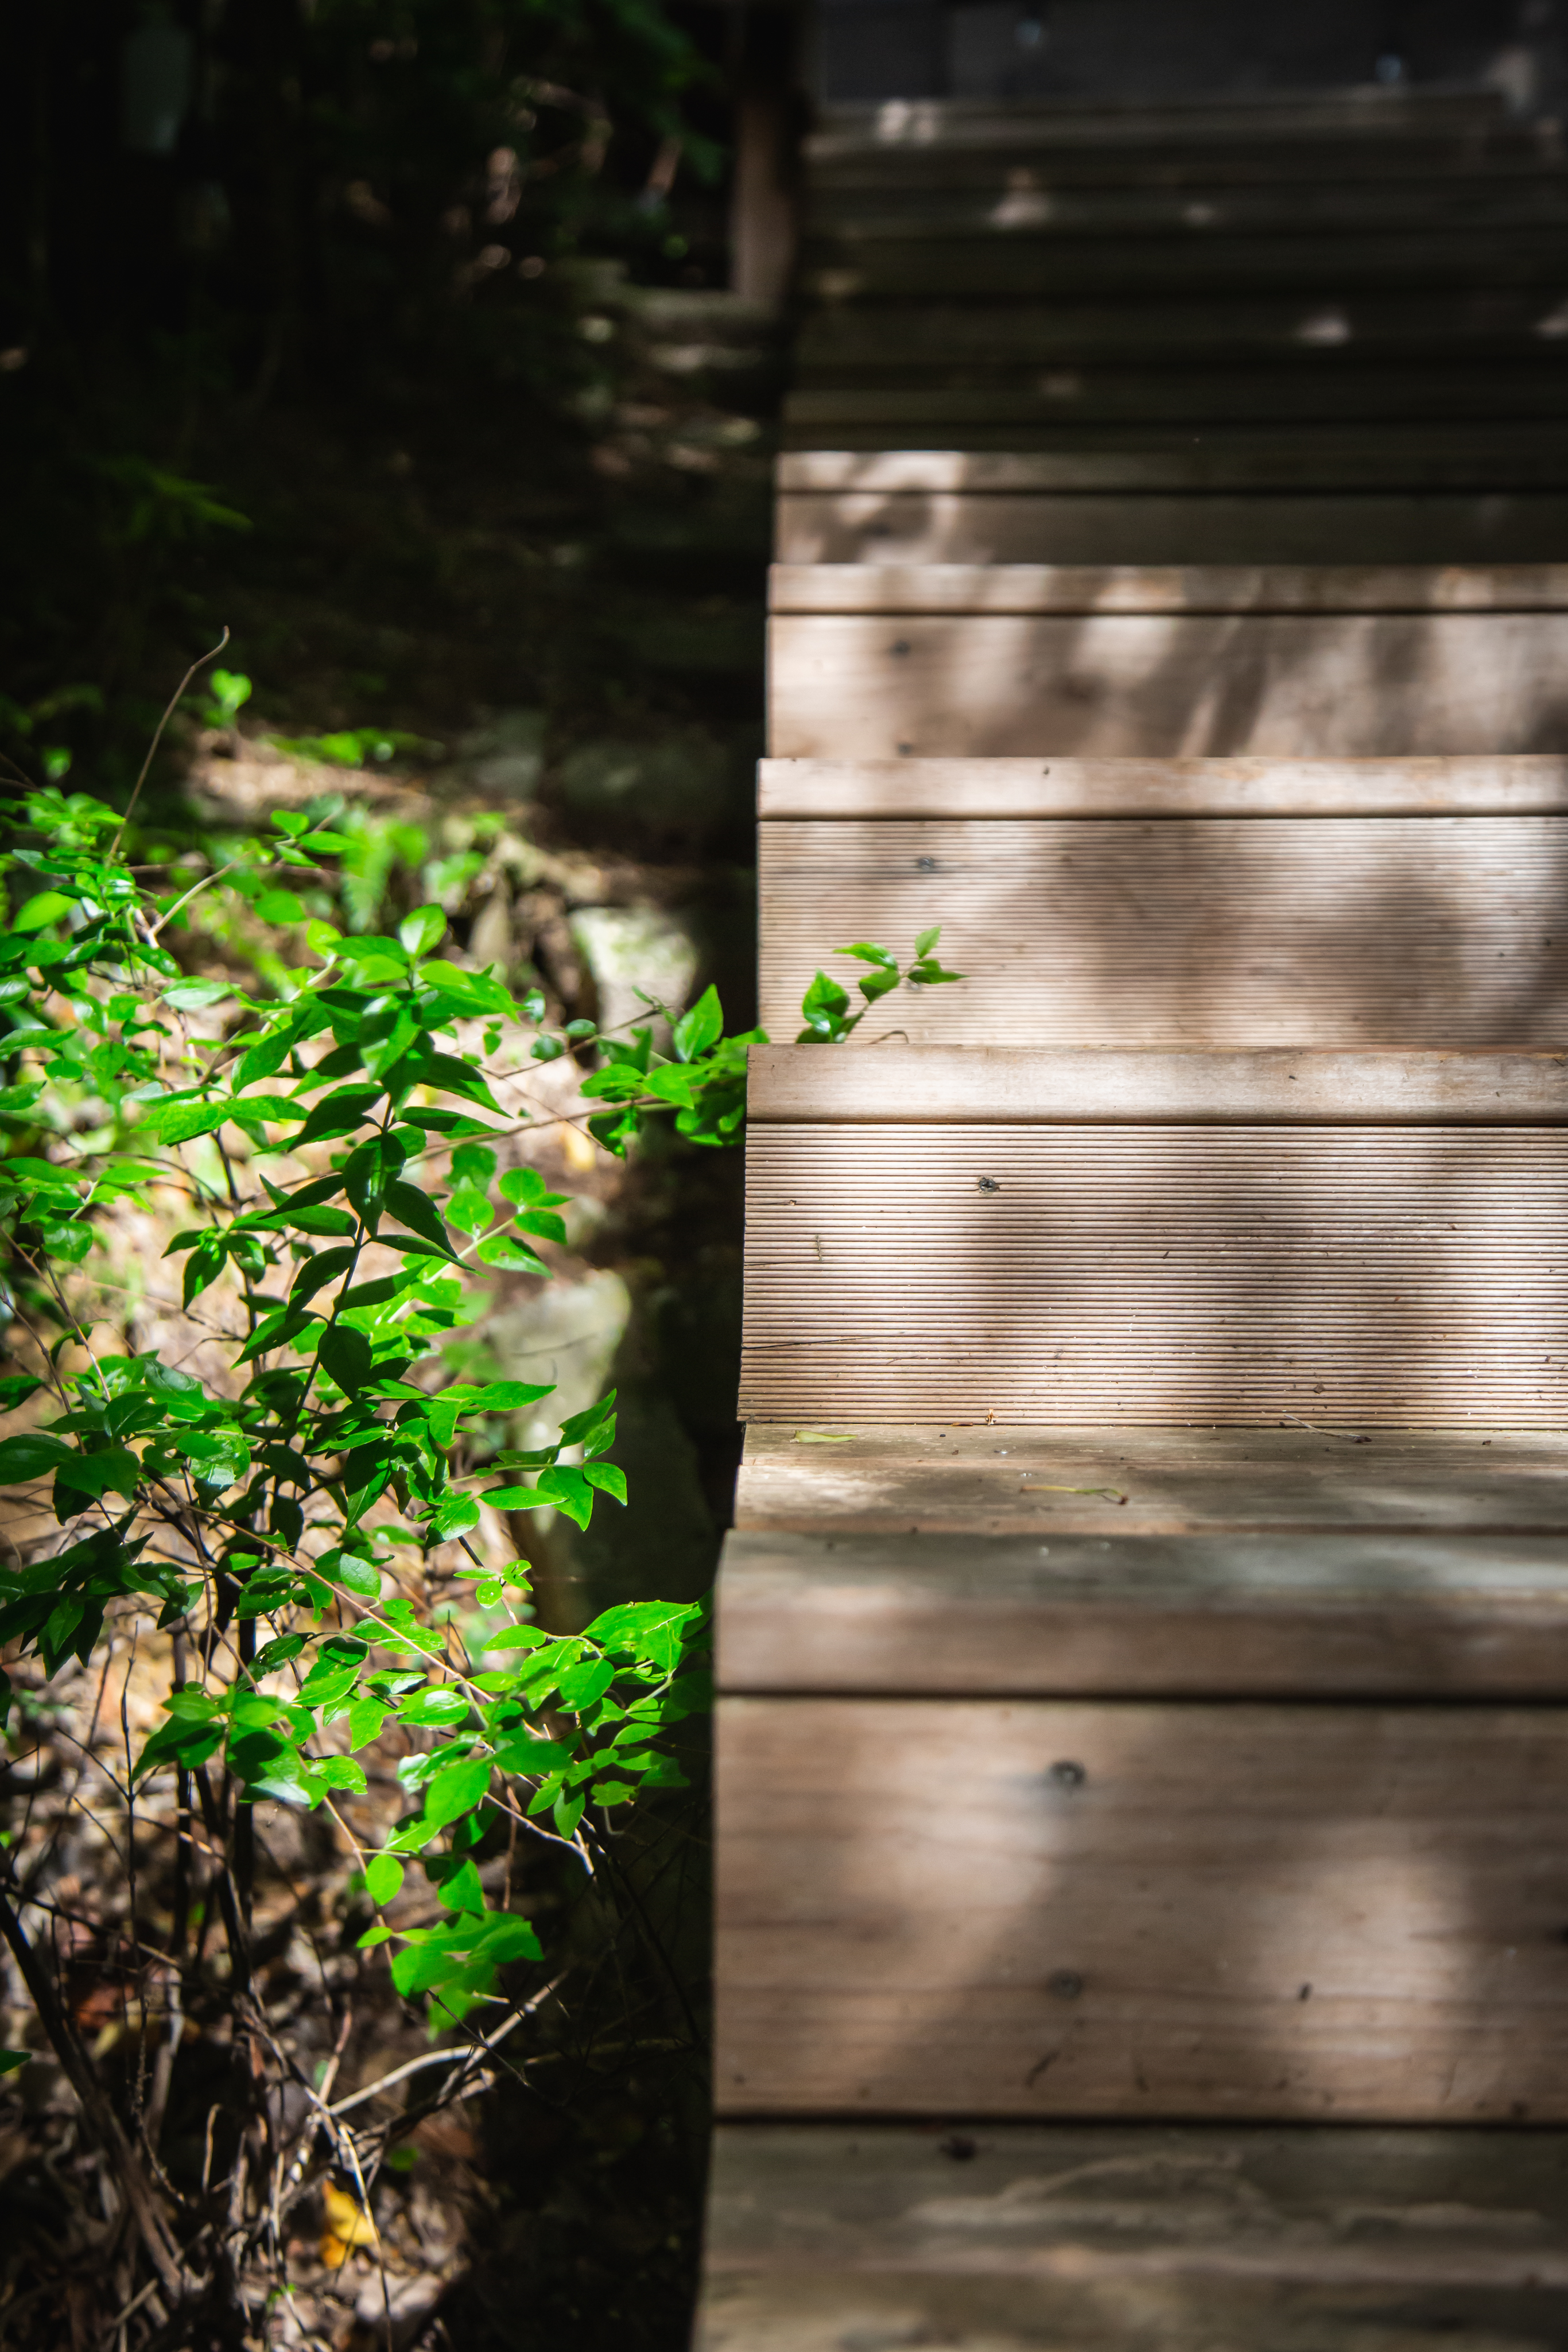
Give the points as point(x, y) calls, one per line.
point(921, 132)
point(1127, 1238)
point(927, 265)
point(1142, 527)
point(1309, 1476)
point(1331, 384)
point(1174, 1909)
point(1445, 326)
point(1029, 200)
point(1104, 2238)
point(1114, 905)
point(870, 662)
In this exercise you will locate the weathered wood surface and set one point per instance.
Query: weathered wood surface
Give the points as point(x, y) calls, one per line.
point(1319, 931)
point(1294, 1616)
point(985, 1086)
point(1315, 1474)
point(933, 395)
point(919, 131)
point(864, 686)
point(1027, 200)
point(940, 526)
point(1095, 2238)
point(1402, 1276)
point(1089, 591)
point(1289, 461)
point(1446, 325)
point(1035, 264)
point(1520, 784)
point(1183, 1911)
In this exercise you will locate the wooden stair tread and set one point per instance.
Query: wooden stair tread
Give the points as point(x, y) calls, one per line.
point(1504, 784)
point(1102, 2238)
point(1239, 930)
point(851, 1476)
point(1146, 588)
point(1360, 1615)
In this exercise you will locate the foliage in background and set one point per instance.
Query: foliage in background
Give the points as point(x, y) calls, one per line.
point(261, 1522)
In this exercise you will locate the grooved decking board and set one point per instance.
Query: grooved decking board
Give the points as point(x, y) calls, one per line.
point(1023, 200)
point(867, 686)
point(1239, 931)
point(844, 1478)
point(1520, 785)
point(922, 129)
point(1446, 325)
point(940, 526)
point(1396, 1276)
point(1463, 460)
point(1292, 1616)
point(1479, 591)
point(1031, 264)
point(1095, 2238)
point(934, 394)
point(1016, 1907)
point(986, 1084)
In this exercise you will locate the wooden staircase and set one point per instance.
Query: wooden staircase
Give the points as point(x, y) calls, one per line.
point(1142, 1883)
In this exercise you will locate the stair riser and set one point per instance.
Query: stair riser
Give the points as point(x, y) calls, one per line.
point(1179, 1911)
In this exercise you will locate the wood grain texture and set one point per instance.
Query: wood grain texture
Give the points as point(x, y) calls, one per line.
point(1522, 784)
point(1363, 1615)
point(1023, 200)
point(940, 526)
point(1394, 1276)
point(1033, 264)
point(1414, 931)
point(917, 129)
point(846, 1478)
point(1314, 389)
point(1102, 2238)
point(1176, 1911)
point(1285, 461)
point(1361, 684)
point(1090, 591)
point(1447, 326)
point(950, 1085)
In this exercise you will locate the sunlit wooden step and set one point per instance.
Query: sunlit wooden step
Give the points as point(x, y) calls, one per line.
point(1418, 903)
point(1150, 1237)
point(1009, 660)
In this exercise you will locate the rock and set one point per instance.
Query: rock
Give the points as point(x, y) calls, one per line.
point(631, 947)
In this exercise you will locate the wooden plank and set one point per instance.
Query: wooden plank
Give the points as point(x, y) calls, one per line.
point(1002, 685)
point(934, 395)
point(1011, 472)
point(1521, 785)
point(1026, 199)
point(804, 1087)
point(1106, 2238)
point(1170, 931)
point(1177, 1911)
point(1092, 589)
point(989, 1481)
point(1390, 323)
point(1131, 526)
point(1392, 1276)
point(1030, 265)
point(916, 127)
point(1338, 1615)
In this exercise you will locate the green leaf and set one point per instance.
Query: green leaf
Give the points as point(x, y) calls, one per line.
point(273, 1654)
point(32, 1455)
point(195, 995)
point(583, 1684)
point(455, 1790)
point(926, 940)
point(419, 1213)
point(510, 1255)
point(345, 1354)
point(505, 1396)
point(607, 1478)
point(468, 1210)
point(462, 1889)
point(382, 1879)
point(433, 1707)
point(279, 907)
point(699, 1027)
point(420, 930)
point(46, 907)
point(568, 1490)
point(10, 2060)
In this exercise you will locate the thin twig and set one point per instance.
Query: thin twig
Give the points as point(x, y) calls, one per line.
point(173, 704)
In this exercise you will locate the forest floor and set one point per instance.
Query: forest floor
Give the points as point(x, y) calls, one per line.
point(560, 636)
